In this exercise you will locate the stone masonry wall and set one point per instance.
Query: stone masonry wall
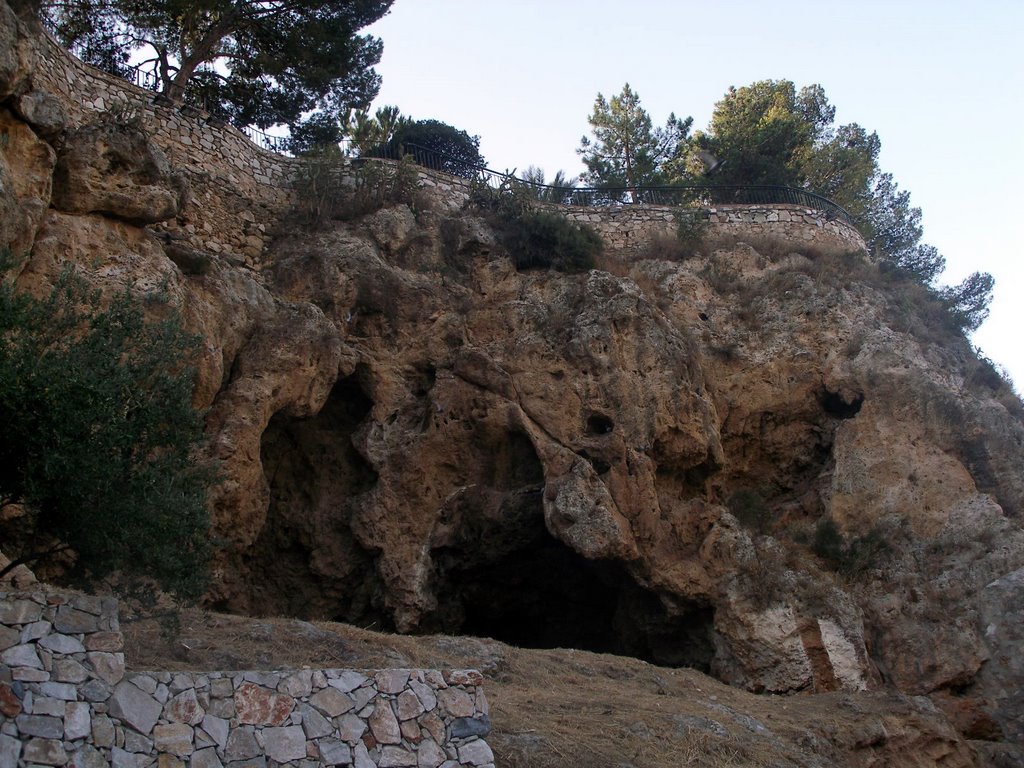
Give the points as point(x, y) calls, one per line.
point(240, 191)
point(627, 229)
point(66, 700)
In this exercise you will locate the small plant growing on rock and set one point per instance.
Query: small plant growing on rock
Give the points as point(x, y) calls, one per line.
point(535, 238)
point(126, 115)
point(851, 558)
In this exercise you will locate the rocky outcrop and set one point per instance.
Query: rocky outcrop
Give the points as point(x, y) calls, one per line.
point(114, 168)
point(645, 459)
point(16, 54)
point(26, 182)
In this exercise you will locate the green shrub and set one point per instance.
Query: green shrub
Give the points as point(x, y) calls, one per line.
point(546, 239)
point(535, 238)
point(100, 441)
point(851, 558)
point(691, 227)
point(749, 507)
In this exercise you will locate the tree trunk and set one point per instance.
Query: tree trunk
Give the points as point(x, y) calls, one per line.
point(204, 50)
point(30, 558)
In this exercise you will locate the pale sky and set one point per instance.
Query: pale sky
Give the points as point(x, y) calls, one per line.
point(941, 81)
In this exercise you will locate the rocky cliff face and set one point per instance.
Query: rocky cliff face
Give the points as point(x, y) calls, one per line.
point(765, 461)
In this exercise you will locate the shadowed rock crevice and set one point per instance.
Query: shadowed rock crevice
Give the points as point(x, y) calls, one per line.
point(316, 479)
point(840, 407)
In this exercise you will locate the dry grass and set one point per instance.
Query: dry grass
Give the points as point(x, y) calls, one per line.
point(562, 708)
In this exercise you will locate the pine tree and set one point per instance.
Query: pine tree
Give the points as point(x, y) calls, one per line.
point(248, 61)
point(627, 151)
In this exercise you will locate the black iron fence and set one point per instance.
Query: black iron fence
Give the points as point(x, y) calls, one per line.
point(693, 195)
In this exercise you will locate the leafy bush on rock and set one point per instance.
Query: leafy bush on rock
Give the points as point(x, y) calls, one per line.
point(100, 439)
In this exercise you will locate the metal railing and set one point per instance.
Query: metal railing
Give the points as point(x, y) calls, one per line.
point(278, 144)
point(691, 195)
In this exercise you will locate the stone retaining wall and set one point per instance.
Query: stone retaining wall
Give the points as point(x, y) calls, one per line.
point(66, 699)
point(627, 229)
point(240, 191)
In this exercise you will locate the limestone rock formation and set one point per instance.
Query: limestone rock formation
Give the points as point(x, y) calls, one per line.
point(767, 461)
point(16, 53)
point(114, 168)
point(26, 181)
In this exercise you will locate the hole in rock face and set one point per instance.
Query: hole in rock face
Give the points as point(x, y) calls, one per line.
point(306, 561)
point(599, 424)
point(835, 405)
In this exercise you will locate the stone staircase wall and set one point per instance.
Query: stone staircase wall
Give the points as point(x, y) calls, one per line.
point(67, 699)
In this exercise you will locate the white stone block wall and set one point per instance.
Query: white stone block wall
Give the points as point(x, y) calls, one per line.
point(66, 700)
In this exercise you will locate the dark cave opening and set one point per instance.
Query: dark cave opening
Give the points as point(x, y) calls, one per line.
point(315, 477)
point(547, 596)
point(499, 573)
point(835, 405)
point(542, 597)
point(599, 424)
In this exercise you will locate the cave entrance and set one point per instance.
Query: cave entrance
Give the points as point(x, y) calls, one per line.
point(544, 595)
point(500, 574)
point(315, 477)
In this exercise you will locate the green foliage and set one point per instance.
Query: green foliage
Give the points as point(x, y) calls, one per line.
point(100, 437)
point(366, 131)
point(842, 165)
point(557, 191)
point(892, 231)
point(436, 145)
point(763, 131)
point(328, 187)
point(535, 238)
point(967, 303)
point(749, 507)
point(852, 558)
point(317, 133)
point(254, 63)
point(626, 150)
point(770, 133)
point(691, 227)
point(547, 239)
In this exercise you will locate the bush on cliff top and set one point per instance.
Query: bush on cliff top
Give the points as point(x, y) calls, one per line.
point(535, 238)
point(100, 437)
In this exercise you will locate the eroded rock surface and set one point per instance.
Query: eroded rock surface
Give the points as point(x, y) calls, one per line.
point(114, 168)
point(639, 459)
